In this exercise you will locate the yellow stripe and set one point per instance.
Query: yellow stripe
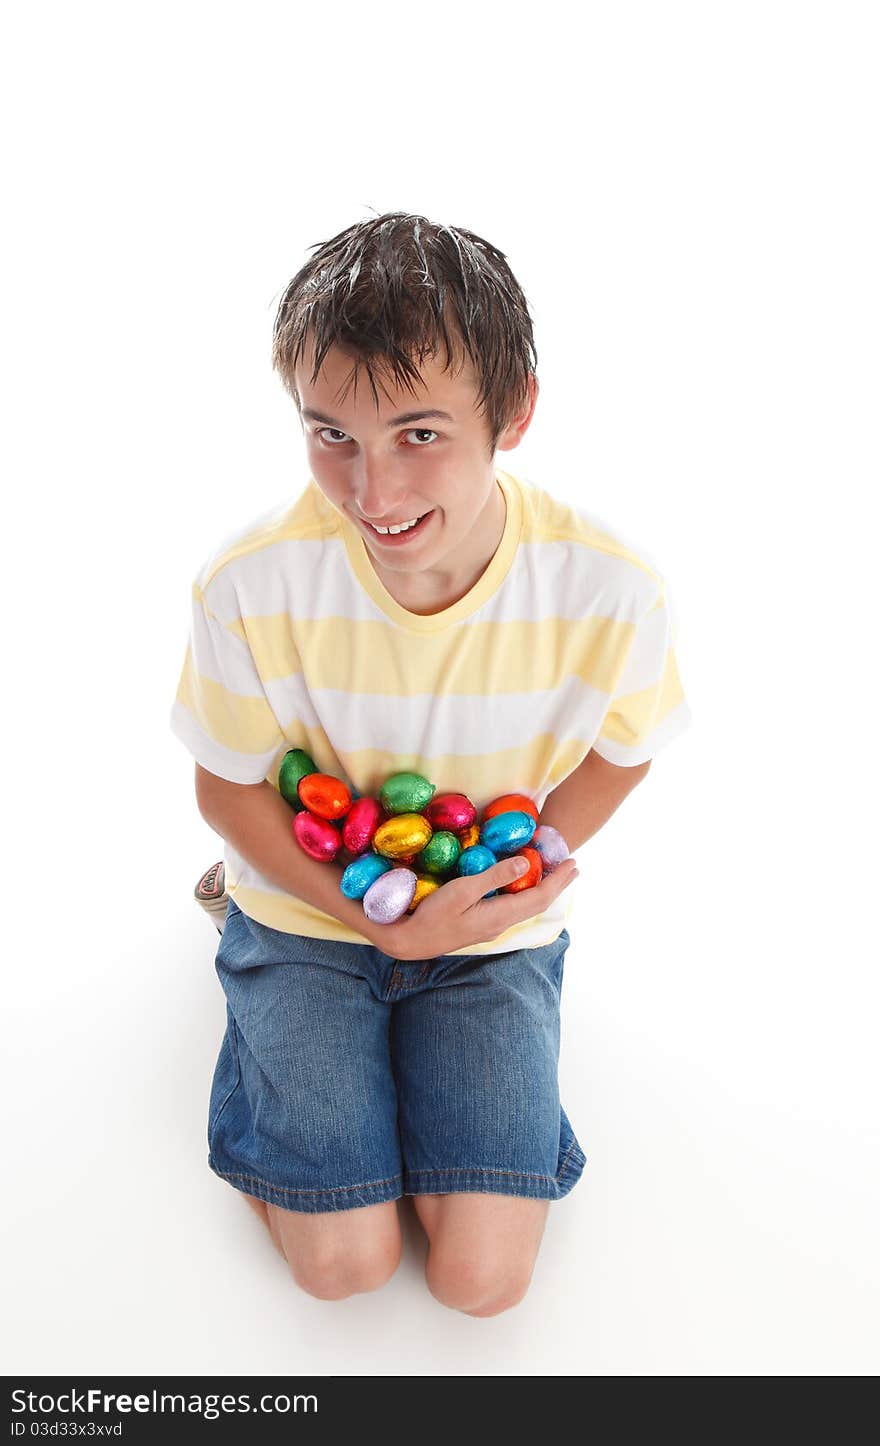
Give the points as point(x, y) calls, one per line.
point(368, 656)
point(636, 715)
point(245, 725)
point(482, 776)
point(295, 916)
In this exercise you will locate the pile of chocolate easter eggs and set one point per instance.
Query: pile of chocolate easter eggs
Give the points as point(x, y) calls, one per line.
point(411, 840)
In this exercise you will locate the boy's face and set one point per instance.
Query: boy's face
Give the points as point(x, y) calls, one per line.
point(384, 466)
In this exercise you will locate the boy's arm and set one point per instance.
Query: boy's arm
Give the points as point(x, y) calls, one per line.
point(257, 822)
point(586, 799)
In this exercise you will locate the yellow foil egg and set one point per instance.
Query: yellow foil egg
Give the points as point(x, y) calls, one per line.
point(467, 837)
point(407, 833)
point(425, 885)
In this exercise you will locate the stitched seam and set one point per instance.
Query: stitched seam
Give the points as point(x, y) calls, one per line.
point(288, 1190)
point(483, 1170)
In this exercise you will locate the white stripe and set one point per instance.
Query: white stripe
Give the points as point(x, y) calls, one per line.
point(429, 724)
point(222, 656)
point(224, 762)
point(313, 579)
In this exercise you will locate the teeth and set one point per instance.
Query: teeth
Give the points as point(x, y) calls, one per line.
point(400, 527)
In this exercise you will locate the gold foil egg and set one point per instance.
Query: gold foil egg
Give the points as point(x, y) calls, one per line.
point(425, 885)
point(406, 834)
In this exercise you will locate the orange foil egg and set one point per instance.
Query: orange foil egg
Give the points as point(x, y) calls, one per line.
point(360, 825)
point(467, 837)
point(405, 834)
point(509, 803)
point(425, 885)
point(324, 795)
point(529, 880)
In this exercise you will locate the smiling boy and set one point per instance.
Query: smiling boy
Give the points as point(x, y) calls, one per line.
point(417, 608)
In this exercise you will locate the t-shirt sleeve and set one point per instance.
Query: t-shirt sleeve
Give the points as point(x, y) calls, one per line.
point(221, 712)
point(648, 707)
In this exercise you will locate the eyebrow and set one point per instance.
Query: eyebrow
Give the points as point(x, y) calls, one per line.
point(404, 417)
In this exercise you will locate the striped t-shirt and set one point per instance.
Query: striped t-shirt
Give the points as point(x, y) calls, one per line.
point(565, 643)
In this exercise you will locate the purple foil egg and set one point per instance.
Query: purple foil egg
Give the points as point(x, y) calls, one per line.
point(390, 896)
point(551, 846)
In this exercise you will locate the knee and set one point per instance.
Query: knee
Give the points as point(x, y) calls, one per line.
point(334, 1274)
point(478, 1289)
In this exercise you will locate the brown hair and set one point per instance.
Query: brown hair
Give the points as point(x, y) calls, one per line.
point(390, 289)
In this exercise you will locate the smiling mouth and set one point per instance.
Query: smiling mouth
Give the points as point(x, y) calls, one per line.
point(398, 530)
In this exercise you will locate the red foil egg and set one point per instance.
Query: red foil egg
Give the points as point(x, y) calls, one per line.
point(529, 880)
point(450, 811)
point(324, 795)
point(509, 803)
point(316, 837)
point(363, 819)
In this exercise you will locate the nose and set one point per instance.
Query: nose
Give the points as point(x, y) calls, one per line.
point(376, 493)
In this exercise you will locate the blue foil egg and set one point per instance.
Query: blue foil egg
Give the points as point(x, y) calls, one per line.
point(507, 832)
point(476, 860)
point(361, 873)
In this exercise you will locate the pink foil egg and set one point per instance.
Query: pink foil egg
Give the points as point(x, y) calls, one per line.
point(316, 837)
point(390, 896)
point(452, 811)
point(550, 845)
point(363, 820)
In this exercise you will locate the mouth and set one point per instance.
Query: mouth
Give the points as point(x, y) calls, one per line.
point(398, 539)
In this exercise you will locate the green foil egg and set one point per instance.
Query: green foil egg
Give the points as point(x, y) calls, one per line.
point(295, 765)
point(441, 853)
point(405, 793)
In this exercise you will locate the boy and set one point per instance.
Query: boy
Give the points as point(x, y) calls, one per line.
point(416, 608)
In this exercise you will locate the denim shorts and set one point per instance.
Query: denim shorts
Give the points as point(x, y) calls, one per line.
point(347, 1077)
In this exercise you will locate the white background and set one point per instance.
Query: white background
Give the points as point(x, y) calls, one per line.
point(688, 196)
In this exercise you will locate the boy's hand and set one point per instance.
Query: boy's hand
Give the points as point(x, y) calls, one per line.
point(456, 915)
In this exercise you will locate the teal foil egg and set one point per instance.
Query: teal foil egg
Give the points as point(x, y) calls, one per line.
point(476, 860)
point(361, 874)
point(507, 832)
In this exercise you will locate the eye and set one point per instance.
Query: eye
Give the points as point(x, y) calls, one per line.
point(414, 431)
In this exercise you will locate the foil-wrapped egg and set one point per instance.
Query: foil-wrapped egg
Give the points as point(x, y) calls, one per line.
point(528, 880)
point(390, 896)
point(476, 860)
point(405, 793)
point(550, 845)
point(467, 837)
point(506, 833)
point(425, 885)
point(407, 833)
point(453, 811)
point(361, 874)
point(324, 795)
point(295, 765)
point(316, 837)
point(509, 803)
point(441, 853)
point(361, 823)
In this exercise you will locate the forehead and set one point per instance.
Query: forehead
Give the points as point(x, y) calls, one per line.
point(343, 380)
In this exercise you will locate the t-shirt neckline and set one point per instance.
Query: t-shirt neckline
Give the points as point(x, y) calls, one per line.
point(483, 588)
